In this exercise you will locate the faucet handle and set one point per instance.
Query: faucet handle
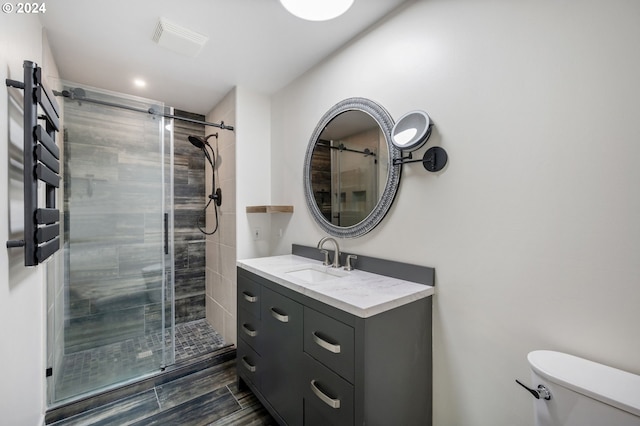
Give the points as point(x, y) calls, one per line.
point(349, 266)
point(326, 257)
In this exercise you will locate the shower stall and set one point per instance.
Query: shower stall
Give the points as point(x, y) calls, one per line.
point(127, 242)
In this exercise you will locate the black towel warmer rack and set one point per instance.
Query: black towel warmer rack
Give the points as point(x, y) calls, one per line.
point(41, 163)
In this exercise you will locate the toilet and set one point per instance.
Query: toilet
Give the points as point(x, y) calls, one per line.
point(582, 392)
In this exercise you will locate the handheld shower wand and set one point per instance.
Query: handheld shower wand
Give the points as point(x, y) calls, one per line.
point(216, 193)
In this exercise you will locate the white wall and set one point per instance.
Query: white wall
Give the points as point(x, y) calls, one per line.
point(245, 179)
point(533, 226)
point(253, 158)
point(22, 294)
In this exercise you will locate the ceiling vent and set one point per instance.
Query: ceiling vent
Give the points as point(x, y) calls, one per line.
point(179, 39)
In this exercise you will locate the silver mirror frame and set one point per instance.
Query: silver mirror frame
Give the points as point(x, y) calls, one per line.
point(384, 120)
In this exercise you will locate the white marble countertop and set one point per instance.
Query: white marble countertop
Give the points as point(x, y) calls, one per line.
point(357, 292)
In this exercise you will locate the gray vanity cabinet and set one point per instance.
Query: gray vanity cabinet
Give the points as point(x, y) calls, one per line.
point(313, 364)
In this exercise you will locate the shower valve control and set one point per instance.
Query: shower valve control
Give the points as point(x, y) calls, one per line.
point(217, 197)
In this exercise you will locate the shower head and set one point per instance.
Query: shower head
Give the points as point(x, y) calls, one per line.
point(216, 193)
point(199, 141)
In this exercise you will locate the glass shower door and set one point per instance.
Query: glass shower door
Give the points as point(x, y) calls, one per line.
point(117, 323)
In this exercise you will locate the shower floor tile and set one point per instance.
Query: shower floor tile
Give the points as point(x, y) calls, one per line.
point(196, 338)
point(96, 368)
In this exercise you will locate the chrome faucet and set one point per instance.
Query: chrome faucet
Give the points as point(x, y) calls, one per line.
point(336, 254)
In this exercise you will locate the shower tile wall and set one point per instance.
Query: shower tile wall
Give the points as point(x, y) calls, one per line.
point(189, 196)
point(108, 298)
point(222, 247)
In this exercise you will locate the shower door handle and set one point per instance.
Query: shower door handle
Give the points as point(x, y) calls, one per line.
point(166, 233)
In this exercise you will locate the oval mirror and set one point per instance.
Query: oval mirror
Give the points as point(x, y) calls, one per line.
point(349, 177)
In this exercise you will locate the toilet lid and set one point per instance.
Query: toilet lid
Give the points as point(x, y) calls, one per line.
point(603, 383)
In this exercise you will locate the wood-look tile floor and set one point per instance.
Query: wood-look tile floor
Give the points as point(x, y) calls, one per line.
point(208, 397)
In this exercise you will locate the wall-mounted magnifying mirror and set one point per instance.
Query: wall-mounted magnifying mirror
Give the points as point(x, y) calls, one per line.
point(350, 175)
point(410, 133)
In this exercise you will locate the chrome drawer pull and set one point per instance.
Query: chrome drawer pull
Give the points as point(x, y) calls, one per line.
point(278, 316)
point(325, 345)
point(249, 298)
point(333, 403)
point(248, 331)
point(251, 368)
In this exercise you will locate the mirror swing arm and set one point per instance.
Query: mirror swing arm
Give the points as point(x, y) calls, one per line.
point(433, 160)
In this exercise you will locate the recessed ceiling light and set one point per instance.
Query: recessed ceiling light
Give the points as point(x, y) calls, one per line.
point(139, 82)
point(317, 10)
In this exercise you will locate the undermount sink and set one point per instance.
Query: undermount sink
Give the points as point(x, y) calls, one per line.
point(315, 273)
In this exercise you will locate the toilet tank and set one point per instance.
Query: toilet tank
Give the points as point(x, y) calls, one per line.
point(583, 393)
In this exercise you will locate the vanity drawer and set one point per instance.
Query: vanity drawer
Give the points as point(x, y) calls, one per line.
point(249, 363)
point(280, 314)
point(249, 296)
point(328, 398)
point(330, 341)
point(249, 329)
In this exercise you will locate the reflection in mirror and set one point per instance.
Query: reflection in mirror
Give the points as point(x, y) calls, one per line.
point(349, 179)
point(345, 166)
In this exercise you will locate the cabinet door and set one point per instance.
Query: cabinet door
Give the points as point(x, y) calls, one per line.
point(282, 356)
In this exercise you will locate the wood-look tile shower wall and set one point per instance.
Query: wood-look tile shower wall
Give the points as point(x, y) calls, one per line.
point(189, 199)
